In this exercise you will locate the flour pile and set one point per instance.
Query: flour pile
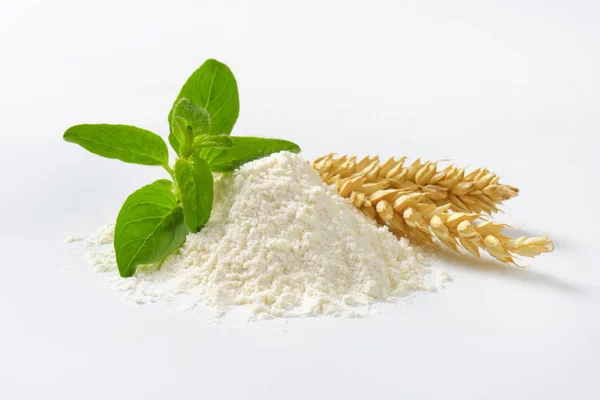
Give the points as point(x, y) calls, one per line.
point(282, 243)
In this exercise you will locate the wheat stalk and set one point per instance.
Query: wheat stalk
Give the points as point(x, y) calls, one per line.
point(478, 191)
point(407, 213)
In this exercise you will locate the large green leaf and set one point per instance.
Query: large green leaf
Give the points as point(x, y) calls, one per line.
point(244, 149)
point(195, 182)
point(213, 87)
point(149, 227)
point(121, 142)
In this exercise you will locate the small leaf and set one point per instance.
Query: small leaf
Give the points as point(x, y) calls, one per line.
point(195, 182)
point(174, 143)
point(244, 149)
point(212, 87)
point(122, 142)
point(219, 142)
point(149, 227)
point(189, 117)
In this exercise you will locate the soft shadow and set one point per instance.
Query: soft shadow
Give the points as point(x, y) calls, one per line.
point(492, 267)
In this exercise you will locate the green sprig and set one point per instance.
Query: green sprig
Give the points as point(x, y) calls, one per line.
point(155, 220)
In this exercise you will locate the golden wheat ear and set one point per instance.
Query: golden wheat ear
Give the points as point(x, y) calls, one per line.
point(408, 209)
point(477, 191)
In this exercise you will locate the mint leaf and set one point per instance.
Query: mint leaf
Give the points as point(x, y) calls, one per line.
point(195, 182)
point(121, 142)
point(189, 118)
point(213, 87)
point(244, 149)
point(188, 121)
point(149, 227)
point(219, 142)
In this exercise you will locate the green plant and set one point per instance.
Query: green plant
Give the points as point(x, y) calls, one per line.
point(155, 220)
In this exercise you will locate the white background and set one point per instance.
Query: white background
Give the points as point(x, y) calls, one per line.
point(511, 85)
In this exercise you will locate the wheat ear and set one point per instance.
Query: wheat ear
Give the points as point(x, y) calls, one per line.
point(477, 191)
point(407, 214)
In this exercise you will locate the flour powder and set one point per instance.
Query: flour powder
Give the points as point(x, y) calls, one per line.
point(280, 243)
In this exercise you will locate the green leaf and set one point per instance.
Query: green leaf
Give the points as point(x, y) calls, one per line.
point(213, 87)
point(174, 142)
point(195, 182)
point(244, 149)
point(188, 117)
point(164, 182)
point(149, 227)
point(121, 142)
point(219, 142)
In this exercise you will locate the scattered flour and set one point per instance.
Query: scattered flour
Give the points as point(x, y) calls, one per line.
point(281, 243)
point(104, 235)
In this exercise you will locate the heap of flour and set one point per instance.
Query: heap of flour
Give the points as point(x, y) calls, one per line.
point(281, 243)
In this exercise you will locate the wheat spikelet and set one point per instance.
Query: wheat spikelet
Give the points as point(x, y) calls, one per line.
point(478, 191)
point(408, 213)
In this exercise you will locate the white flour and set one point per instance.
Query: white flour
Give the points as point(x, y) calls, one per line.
point(283, 244)
point(72, 239)
point(104, 235)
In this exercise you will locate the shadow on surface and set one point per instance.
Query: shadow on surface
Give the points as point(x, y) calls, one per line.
point(492, 267)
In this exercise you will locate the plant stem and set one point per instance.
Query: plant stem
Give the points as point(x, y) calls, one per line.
point(175, 186)
point(169, 170)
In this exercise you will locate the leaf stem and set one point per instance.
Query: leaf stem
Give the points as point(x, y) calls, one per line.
point(169, 170)
point(175, 186)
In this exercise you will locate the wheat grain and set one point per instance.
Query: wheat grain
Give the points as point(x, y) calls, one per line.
point(478, 191)
point(409, 213)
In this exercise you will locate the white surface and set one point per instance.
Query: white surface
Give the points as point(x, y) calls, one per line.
point(513, 86)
